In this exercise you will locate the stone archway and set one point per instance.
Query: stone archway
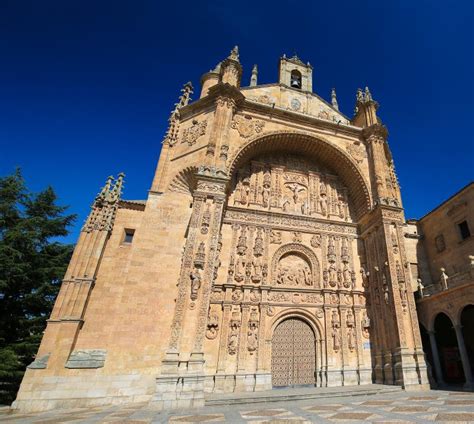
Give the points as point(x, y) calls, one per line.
point(293, 354)
point(448, 349)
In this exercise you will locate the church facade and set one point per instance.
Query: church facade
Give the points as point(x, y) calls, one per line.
point(270, 252)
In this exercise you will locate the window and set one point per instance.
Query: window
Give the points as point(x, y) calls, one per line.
point(128, 236)
point(295, 81)
point(464, 230)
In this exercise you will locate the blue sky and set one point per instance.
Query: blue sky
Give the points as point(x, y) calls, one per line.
point(86, 87)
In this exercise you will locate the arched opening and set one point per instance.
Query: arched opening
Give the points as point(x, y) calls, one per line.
point(448, 349)
point(293, 354)
point(295, 80)
point(467, 322)
point(426, 344)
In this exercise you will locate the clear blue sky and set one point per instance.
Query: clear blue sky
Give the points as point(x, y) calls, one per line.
point(86, 87)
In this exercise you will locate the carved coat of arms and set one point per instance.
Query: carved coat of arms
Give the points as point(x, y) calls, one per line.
point(196, 130)
point(247, 126)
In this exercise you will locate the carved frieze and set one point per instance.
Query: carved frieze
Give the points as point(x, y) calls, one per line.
point(285, 222)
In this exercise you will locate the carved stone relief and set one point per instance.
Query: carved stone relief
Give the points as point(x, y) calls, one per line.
point(196, 130)
point(247, 126)
point(292, 185)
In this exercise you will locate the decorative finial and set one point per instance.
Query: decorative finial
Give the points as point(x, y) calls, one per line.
point(217, 69)
point(185, 98)
point(173, 121)
point(234, 53)
point(117, 190)
point(368, 96)
point(253, 78)
point(334, 99)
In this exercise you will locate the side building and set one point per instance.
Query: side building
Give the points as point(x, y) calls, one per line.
point(441, 253)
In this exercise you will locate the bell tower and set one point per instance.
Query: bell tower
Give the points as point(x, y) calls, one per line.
point(295, 73)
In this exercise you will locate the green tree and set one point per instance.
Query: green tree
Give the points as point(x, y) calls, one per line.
point(32, 265)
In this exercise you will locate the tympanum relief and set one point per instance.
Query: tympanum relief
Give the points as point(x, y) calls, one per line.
point(291, 185)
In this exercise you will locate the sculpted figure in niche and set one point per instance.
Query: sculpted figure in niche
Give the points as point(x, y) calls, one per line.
point(242, 190)
point(346, 275)
point(257, 270)
point(266, 189)
point(323, 204)
point(240, 269)
point(341, 206)
point(286, 205)
point(195, 283)
point(332, 274)
point(233, 338)
point(252, 339)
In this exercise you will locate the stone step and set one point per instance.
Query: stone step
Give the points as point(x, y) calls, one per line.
point(291, 394)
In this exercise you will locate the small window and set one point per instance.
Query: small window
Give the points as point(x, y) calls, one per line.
point(295, 79)
point(128, 236)
point(464, 230)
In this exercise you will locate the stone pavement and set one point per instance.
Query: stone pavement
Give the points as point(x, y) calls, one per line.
point(397, 407)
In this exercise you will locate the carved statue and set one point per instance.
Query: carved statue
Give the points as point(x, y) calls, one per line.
point(252, 334)
point(443, 279)
point(240, 269)
point(385, 288)
point(266, 189)
point(332, 275)
point(195, 283)
point(346, 276)
point(336, 336)
point(351, 338)
point(242, 243)
point(296, 189)
point(341, 206)
point(233, 338)
point(316, 240)
point(258, 246)
point(323, 205)
point(365, 326)
point(286, 205)
point(257, 270)
point(252, 339)
point(399, 270)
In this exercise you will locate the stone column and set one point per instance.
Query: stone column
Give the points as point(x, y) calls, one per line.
point(437, 363)
point(464, 357)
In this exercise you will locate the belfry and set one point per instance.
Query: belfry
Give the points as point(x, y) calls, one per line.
point(270, 252)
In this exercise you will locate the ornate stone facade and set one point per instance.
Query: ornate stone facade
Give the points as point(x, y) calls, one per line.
point(269, 252)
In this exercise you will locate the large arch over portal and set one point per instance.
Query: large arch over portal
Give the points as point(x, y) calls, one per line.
point(316, 148)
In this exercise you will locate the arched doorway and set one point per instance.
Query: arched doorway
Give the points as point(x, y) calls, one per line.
point(293, 354)
point(448, 349)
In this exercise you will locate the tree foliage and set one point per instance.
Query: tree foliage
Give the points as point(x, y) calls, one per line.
point(32, 264)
